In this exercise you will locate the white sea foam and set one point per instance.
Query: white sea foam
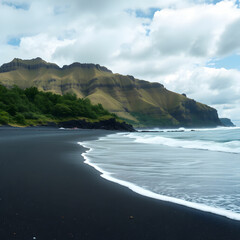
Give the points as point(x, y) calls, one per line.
point(147, 193)
point(230, 147)
point(191, 129)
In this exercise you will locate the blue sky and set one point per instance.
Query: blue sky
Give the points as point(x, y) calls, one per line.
point(149, 13)
point(229, 62)
point(14, 41)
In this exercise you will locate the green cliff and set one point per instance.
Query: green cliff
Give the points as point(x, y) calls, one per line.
point(140, 102)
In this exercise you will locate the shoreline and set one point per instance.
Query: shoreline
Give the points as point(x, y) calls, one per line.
point(48, 192)
point(147, 193)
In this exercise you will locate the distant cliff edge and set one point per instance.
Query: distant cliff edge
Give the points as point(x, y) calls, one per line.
point(227, 122)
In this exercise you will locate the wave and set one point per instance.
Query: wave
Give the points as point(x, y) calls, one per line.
point(147, 193)
point(190, 129)
point(229, 147)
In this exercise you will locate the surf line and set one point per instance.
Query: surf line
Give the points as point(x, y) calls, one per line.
point(147, 193)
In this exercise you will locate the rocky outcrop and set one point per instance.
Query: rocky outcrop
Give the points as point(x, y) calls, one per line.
point(28, 64)
point(87, 66)
point(110, 124)
point(226, 122)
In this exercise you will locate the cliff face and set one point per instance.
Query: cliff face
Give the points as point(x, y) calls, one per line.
point(140, 102)
point(33, 64)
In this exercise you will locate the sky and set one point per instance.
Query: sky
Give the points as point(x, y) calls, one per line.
point(190, 46)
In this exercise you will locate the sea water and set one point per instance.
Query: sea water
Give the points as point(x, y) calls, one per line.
point(198, 168)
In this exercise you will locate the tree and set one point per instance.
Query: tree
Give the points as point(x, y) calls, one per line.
point(62, 110)
point(4, 117)
point(19, 118)
point(31, 93)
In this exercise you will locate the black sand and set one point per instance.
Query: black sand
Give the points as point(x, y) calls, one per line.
point(47, 192)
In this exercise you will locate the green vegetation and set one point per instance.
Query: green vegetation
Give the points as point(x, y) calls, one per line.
point(33, 107)
point(150, 120)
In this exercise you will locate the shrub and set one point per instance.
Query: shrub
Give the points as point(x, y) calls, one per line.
point(19, 118)
point(4, 117)
point(62, 110)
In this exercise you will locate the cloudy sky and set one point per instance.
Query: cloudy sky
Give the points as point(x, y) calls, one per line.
point(190, 46)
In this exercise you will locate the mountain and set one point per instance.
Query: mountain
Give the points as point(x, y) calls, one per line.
point(139, 102)
point(227, 122)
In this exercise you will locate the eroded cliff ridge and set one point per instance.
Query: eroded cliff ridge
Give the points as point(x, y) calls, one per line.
point(140, 102)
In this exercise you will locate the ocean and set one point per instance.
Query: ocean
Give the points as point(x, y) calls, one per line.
point(197, 168)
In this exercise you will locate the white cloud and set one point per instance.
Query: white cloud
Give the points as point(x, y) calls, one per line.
point(42, 45)
point(219, 88)
point(229, 42)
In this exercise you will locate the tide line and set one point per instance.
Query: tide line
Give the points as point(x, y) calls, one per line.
point(147, 193)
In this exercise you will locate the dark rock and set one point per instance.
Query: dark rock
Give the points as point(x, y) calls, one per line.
point(131, 77)
point(176, 131)
point(110, 124)
point(144, 131)
point(86, 65)
point(227, 122)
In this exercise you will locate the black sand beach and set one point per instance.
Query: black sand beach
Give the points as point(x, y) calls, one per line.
point(47, 192)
